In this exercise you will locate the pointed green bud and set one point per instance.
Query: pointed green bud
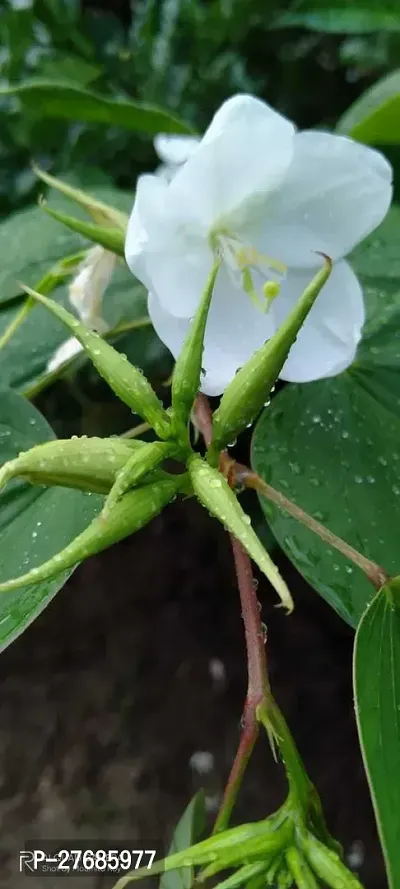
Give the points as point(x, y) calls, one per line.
point(187, 371)
point(249, 390)
point(127, 381)
point(109, 237)
point(214, 493)
point(102, 213)
point(135, 510)
point(270, 876)
point(263, 848)
point(299, 869)
point(327, 865)
point(284, 879)
point(90, 464)
point(224, 850)
point(140, 463)
point(242, 876)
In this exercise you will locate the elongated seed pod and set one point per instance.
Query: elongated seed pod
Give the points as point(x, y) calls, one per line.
point(299, 869)
point(243, 875)
point(135, 509)
point(327, 865)
point(231, 847)
point(243, 399)
point(90, 464)
point(140, 463)
point(214, 493)
point(109, 237)
point(128, 382)
point(187, 371)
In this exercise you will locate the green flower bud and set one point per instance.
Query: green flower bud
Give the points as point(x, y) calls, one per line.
point(102, 213)
point(140, 463)
point(246, 394)
point(110, 237)
point(299, 869)
point(90, 464)
point(131, 513)
point(327, 865)
point(127, 381)
point(187, 371)
point(214, 493)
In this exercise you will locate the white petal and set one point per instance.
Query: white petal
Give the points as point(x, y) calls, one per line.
point(149, 202)
point(86, 290)
point(335, 193)
point(327, 342)
point(175, 150)
point(67, 350)
point(165, 254)
point(243, 156)
point(235, 329)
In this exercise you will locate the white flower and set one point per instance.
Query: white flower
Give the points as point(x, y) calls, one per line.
point(266, 199)
point(85, 295)
point(173, 151)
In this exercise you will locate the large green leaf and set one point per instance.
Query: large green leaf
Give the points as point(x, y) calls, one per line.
point(375, 117)
point(61, 100)
point(333, 447)
point(342, 18)
point(34, 522)
point(187, 832)
point(377, 699)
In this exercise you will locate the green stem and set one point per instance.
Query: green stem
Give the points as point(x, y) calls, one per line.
point(16, 321)
point(48, 283)
point(300, 786)
point(136, 431)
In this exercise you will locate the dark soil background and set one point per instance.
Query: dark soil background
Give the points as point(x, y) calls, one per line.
point(107, 696)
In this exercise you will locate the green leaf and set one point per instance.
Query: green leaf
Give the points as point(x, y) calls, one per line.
point(34, 522)
point(375, 117)
point(333, 447)
point(71, 69)
point(362, 18)
point(377, 699)
point(187, 831)
point(61, 100)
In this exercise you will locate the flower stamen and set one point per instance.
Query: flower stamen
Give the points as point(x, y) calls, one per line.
point(246, 260)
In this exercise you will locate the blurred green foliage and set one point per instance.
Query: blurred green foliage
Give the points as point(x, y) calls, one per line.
point(309, 59)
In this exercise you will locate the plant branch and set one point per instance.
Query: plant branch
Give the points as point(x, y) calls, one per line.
point(237, 473)
point(374, 572)
point(136, 431)
point(258, 691)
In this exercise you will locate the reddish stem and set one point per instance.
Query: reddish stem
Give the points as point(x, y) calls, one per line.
point(257, 687)
point(255, 642)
